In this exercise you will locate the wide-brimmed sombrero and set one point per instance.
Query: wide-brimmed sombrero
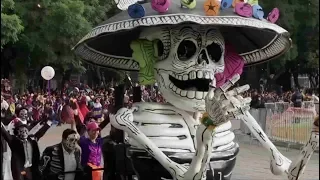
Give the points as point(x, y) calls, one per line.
point(108, 44)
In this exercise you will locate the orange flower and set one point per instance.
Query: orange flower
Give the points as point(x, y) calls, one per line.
point(211, 7)
point(235, 2)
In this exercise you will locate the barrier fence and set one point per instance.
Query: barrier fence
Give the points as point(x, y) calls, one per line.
point(285, 123)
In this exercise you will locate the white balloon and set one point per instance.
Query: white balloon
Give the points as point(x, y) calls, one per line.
point(47, 73)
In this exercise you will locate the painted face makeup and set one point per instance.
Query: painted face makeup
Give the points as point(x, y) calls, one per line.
point(70, 143)
point(23, 114)
point(22, 133)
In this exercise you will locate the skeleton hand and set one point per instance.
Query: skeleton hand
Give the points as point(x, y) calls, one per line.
point(218, 110)
point(218, 106)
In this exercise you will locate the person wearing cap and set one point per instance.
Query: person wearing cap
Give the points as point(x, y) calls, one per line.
point(58, 162)
point(25, 154)
point(91, 148)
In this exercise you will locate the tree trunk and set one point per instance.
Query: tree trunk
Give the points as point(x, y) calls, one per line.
point(312, 80)
point(295, 80)
point(65, 78)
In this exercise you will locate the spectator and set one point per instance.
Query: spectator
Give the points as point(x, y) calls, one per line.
point(91, 147)
point(297, 98)
point(52, 165)
point(24, 150)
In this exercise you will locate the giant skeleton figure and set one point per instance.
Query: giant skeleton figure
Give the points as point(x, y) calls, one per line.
point(195, 59)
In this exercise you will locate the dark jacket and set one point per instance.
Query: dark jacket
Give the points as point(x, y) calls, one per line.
point(52, 163)
point(297, 99)
point(18, 156)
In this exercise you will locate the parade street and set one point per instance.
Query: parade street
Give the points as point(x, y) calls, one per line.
point(252, 161)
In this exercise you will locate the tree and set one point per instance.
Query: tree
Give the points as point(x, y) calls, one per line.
point(301, 19)
point(51, 29)
point(11, 25)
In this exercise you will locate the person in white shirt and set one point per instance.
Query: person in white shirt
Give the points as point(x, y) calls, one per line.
point(62, 161)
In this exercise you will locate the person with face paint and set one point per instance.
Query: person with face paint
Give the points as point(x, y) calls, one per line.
point(33, 126)
point(25, 153)
point(62, 161)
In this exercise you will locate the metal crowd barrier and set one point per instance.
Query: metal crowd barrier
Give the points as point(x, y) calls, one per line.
point(284, 123)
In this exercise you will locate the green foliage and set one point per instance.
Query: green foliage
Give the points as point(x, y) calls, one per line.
point(11, 25)
point(52, 28)
point(301, 19)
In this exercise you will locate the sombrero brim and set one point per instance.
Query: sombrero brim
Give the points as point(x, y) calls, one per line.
point(108, 45)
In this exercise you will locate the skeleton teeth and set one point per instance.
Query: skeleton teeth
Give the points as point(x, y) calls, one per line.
point(199, 74)
point(204, 95)
point(185, 77)
point(180, 77)
point(178, 91)
point(191, 94)
point(211, 75)
point(206, 75)
point(174, 88)
point(199, 95)
point(183, 93)
point(170, 85)
point(192, 75)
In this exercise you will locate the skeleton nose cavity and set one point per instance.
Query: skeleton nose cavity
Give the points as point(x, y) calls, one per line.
point(203, 57)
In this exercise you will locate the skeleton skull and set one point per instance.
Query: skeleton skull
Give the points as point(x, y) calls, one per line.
point(23, 114)
point(188, 58)
point(22, 132)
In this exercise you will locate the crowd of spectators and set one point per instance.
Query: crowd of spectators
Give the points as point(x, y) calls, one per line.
point(84, 108)
point(89, 109)
point(296, 97)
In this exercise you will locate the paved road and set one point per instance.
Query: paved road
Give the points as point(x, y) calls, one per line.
point(252, 161)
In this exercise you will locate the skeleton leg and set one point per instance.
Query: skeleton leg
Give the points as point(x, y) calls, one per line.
point(123, 120)
point(279, 163)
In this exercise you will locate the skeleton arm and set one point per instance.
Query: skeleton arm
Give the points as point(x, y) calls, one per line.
point(123, 120)
point(279, 163)
point(197, 169)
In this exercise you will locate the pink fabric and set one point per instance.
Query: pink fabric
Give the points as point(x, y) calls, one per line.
point(234, 64)
point(81, 117)
point(93, 126)
point(83, 109)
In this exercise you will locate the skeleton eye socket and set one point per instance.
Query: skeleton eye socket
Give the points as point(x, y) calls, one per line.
point(214, 51)
point(186, 50)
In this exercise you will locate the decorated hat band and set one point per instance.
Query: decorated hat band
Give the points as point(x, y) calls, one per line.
point(241, 24)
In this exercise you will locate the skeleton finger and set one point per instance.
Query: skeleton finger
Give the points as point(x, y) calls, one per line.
point(210, 94)
point(225, 103)
point(238, 90)
point(223, 96)
point(246, 100)
point(230, 83)
point(234, 102)
point(238, 112)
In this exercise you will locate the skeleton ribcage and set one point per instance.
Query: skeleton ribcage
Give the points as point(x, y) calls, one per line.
point(173, 130)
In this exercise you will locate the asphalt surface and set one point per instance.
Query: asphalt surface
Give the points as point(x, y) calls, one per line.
point(252, 161)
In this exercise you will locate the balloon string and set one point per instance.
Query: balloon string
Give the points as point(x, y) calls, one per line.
point(49, 88)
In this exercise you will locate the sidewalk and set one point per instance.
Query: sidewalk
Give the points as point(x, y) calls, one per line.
point(253, 163)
